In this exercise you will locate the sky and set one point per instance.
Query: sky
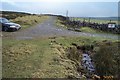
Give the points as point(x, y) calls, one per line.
point(75, 8)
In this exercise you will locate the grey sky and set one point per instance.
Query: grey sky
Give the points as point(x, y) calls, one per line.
point(77, 9)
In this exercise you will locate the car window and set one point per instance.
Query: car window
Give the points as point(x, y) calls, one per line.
point(2, 20)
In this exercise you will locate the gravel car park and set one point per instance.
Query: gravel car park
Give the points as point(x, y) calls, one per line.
point(8, 26)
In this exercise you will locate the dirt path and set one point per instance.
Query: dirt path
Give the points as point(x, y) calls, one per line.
point(48, 28)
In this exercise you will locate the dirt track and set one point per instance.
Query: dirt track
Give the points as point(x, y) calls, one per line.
point(48, 28)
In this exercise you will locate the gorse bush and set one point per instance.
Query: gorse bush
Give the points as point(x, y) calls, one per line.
point(27, 20)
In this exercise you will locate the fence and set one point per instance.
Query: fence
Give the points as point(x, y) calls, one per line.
point(109, 27)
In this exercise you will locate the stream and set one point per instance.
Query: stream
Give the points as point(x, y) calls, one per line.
point(88, 64)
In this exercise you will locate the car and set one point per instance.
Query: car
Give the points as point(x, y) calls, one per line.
point(8, 26)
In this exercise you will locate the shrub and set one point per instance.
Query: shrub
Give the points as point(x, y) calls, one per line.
point(73, 54)
point(107, 60)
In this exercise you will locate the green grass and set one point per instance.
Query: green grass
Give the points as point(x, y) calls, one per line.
point(90, 30)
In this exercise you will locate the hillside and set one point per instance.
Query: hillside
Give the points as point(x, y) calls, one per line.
point(12, 14)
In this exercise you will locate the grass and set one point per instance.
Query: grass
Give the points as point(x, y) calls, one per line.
point(58, 24)
point(90, 30)
point(95, 20)
point(0, 55)
point(29, 20)
point(32, 58)
point(21, 58)
point(41, 58)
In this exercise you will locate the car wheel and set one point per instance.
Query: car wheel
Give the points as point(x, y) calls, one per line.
point(5, 29)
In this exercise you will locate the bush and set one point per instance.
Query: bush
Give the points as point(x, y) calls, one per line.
point(107, 60)
point(29, 20)
point(73, 54)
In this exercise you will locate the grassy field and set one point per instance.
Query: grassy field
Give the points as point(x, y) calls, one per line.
point(41, 58)
point(94, 20)
point(51, 57)
point(34, 58)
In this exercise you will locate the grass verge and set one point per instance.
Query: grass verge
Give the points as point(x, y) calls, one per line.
point(34, 59)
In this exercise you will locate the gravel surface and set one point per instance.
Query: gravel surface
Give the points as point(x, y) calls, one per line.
point(48, 29)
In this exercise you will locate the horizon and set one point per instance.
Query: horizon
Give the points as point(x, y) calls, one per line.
point(58, 15)
point(75, 9)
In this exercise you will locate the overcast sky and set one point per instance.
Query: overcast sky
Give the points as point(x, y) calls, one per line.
point(76, 8)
